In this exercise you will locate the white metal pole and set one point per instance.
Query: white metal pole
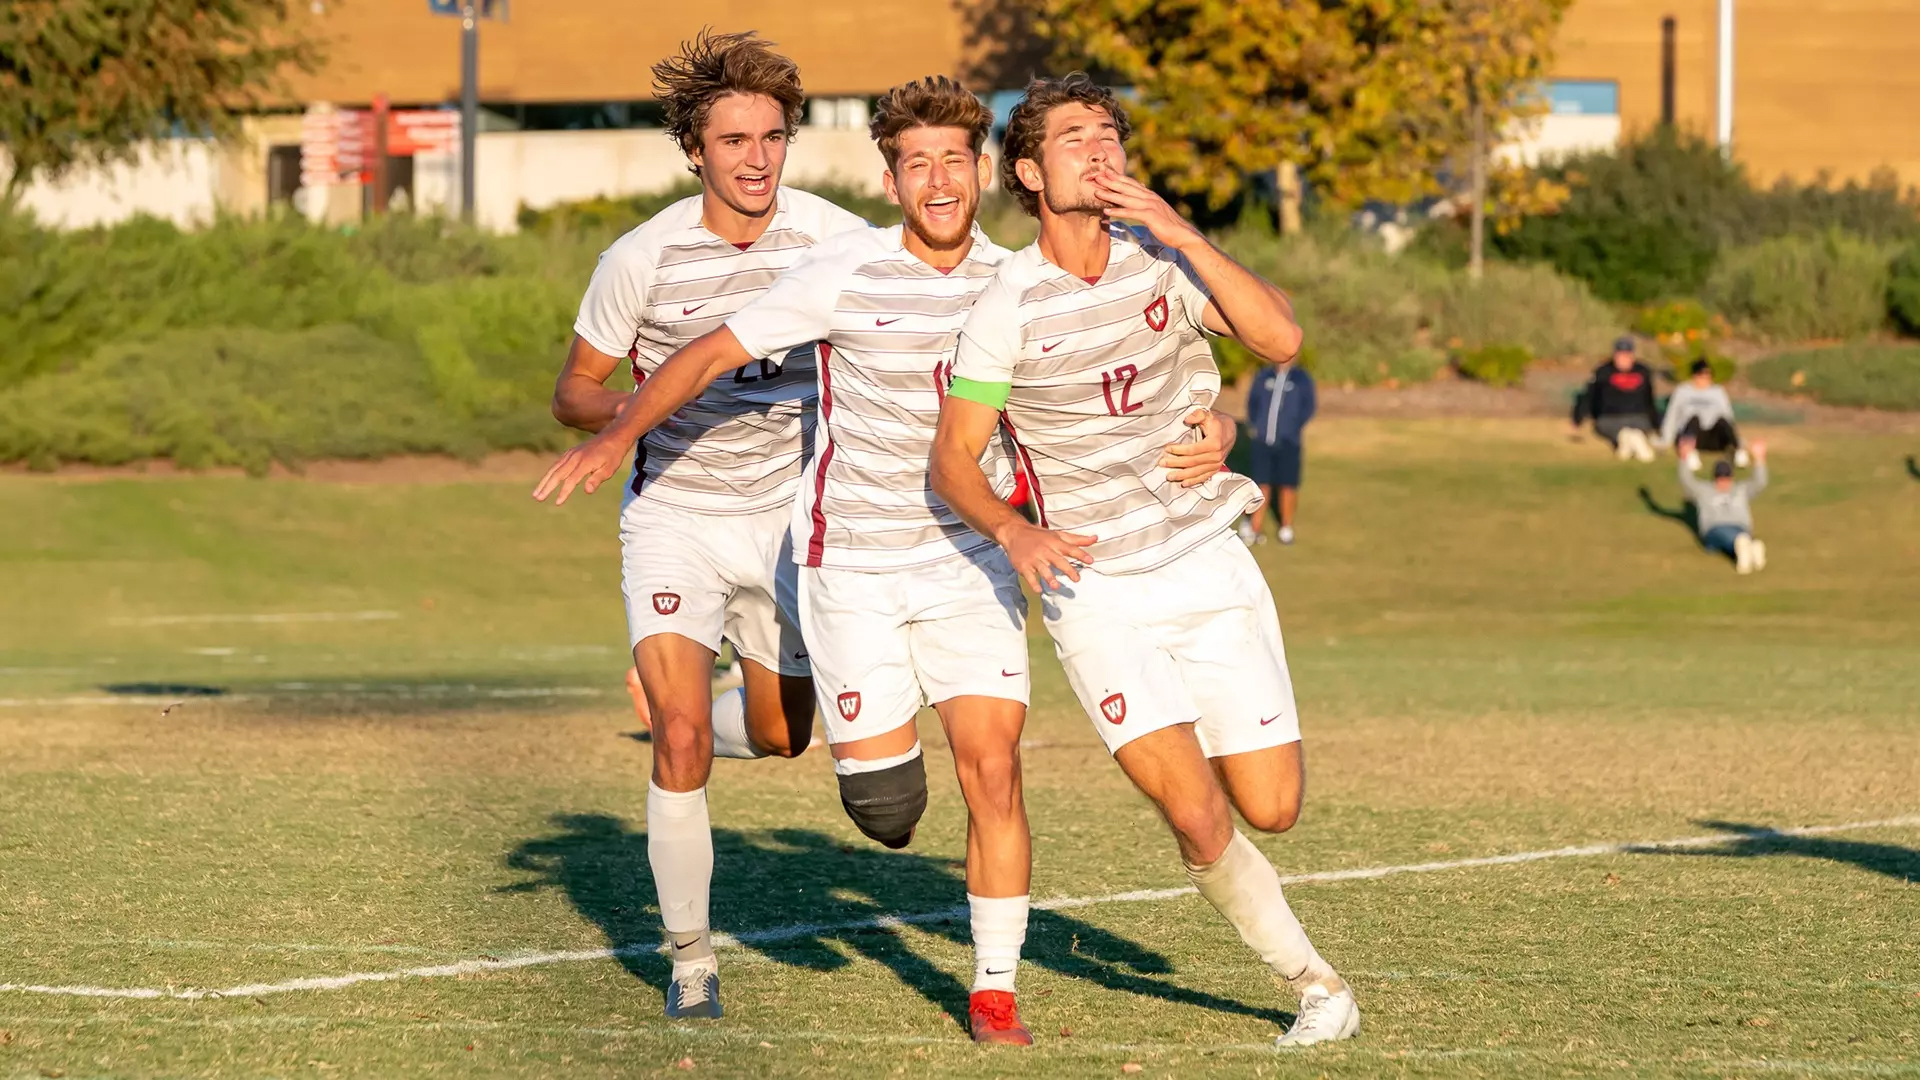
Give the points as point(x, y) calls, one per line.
point(1724, 114)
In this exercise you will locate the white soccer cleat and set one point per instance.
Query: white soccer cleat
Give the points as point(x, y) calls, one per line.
point(1693, 461)
point(1326, 1015)
point(1248, 534)
point(694, 992)
point(1759, 554)
point(1642, 448)
point(1286, 534)
point(1621, 450)
point(1741, 459)
point(1743, 554)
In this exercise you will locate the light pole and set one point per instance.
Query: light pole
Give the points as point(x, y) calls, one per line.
point(469, 104)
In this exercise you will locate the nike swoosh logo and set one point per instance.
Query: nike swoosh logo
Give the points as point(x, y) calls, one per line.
point(990, 971)
point(677, 946)
point(1008, 674)
point(1269, 720)
point(799, 656)
point(1050, 348)
point(887, 322)
point(691, 310)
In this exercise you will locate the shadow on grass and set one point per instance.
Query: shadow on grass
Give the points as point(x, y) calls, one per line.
point(1913, 467)
point(1747, 841)
point(164, 689)
point(1686, 513)
point(805, 888)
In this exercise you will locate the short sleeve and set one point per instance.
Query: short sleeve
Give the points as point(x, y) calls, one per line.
point(1194, 294)
point(797, 308)
point(616, 301)
point(990, 339)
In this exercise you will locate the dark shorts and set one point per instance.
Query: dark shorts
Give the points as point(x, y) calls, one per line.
point(1277, 465)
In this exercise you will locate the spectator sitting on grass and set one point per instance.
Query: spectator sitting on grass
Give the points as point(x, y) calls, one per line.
point(1701, 414)
point(1725, 507)
point(1620, 401)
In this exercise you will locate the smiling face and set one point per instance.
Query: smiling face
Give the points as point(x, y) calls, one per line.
point(936, 180)
point(743, 147)
point(1080, 141)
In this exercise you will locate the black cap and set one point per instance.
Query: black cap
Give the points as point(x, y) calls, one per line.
point(1624, 344)
point(1721, 468)
point(1701, 367)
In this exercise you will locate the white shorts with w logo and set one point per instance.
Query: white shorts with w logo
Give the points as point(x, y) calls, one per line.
point(712, 576)
point(887, 642)
point(1196, 641)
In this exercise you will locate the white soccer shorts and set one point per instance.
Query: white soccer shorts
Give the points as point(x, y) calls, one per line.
point(712, 576)
point(1195, 641)
point(885, 643)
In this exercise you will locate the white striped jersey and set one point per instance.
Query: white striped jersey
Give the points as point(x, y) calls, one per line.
point(1102, 375)
point(739, 447)
point(886, 323)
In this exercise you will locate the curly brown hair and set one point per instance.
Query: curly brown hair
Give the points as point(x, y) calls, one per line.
point(935, 101)
point(1027, 126)
point(710, 67)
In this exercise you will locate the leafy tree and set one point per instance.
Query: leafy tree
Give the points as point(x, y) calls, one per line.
point(85, 82)
point(1370, 100)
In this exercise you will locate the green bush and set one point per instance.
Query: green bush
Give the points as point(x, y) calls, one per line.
point(1495, 365)
point(1871, 375)
point(1649, 219)
point(1678, 318)
point(251, 397)
point(1903, 290)
point(1529, 306)
point(1800, 287)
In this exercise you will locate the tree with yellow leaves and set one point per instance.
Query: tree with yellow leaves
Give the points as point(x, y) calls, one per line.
point(1373, 99)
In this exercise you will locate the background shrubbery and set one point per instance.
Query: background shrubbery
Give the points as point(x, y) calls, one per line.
point(1875, 376)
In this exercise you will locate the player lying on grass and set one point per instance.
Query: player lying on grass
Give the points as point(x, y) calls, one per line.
point(703, 524)
point(901, 603)
point(1724, 508)
point(1092, 342)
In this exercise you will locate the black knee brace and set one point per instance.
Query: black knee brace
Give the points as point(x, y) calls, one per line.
point(887, 803)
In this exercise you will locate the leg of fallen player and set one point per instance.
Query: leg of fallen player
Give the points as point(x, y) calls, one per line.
point(677, 673)
point(1169, 767)
point(984, 733)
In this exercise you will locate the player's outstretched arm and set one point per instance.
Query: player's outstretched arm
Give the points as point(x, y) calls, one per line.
point(681, 379)
point(1245, 306)
point(1037, 554)
point(581, 397)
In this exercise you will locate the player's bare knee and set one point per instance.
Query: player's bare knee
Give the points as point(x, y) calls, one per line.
point(1203, 829)
point(682, 738)
point(991, 783)
point(1276, 816)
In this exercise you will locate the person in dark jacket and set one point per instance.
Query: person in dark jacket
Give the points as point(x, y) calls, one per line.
point(1620, 402)
point(1278, 408)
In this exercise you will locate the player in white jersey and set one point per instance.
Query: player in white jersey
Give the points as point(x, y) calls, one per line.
point(1092, 342)
point(703, 523)
point(902, 603)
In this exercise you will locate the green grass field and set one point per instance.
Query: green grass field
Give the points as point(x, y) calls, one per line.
point(1500, 645)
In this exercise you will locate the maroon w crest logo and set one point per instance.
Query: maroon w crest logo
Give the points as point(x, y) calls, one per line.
point(1114, 708)
point(666, 603)
point(1157, 313)
point(849, 703)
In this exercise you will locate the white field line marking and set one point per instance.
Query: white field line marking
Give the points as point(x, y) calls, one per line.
point(894, 922)
point(268, 617)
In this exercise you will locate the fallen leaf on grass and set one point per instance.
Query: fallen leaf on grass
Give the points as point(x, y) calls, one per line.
point(1759, 1021)
point(1613, 879)
point(53, 1074)
point(684, 1063)
point(1131, 1067)
point(766, 1044)
point(1066, 1033)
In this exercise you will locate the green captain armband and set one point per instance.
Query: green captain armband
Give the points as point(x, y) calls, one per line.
point(991, 394)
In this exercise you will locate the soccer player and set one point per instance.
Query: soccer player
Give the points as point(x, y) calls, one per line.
point(703, 523)
point(1091, 341)
point(901, 603)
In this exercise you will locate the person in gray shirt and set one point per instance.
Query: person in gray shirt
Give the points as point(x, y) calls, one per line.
point(1702, 412)
point(1725, 507)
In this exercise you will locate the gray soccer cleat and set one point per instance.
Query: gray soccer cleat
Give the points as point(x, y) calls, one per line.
point(1326, 1015)
point(694, 994)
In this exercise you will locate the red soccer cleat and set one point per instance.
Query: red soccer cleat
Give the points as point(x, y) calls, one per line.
point(994, 1018)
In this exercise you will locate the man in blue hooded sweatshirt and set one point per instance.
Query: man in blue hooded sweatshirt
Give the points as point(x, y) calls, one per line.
point(1278, 408)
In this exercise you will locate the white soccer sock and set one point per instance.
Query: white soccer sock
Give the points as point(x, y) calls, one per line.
point(680, 851)
point(730, 726)
point(999, 929)
point(1244, 886)
point(855, 766)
